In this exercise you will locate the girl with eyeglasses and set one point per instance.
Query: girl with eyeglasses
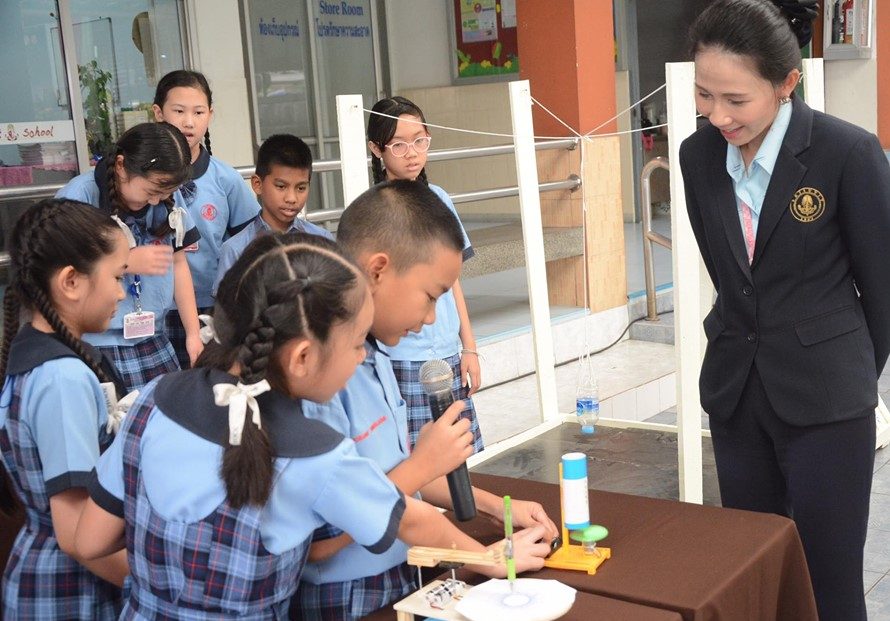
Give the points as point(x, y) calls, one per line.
point(137, 184)
point(399, 140)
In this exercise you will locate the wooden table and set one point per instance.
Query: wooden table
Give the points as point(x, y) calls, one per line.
point(700, 562)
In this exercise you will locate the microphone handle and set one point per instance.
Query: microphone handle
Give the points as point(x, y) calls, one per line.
point(464, 505)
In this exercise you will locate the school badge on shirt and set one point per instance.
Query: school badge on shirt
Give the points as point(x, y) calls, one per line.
point(807, 205)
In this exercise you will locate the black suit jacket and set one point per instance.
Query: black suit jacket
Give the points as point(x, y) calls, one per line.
point(813, 309)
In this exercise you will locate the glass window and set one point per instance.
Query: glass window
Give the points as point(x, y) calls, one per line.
point(36, 130)
point(279, 52)
point(123, 49)
point(301, 56)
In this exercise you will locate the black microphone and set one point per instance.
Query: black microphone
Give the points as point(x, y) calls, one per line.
point(436, 378)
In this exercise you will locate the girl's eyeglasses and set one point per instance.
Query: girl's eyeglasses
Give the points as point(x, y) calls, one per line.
point(400, 148)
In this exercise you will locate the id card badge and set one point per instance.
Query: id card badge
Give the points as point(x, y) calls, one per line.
point(139, 324)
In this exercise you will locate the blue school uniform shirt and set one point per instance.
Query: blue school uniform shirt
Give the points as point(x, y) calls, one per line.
point(441, 339)
point(318, 478)
point(234, 247)
point(371, 411)
point(52, 429)
point(751, 188)
point(221, 204)
point(157, 291)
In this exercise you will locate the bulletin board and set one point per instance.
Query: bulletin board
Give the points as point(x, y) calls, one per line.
point(484, 39)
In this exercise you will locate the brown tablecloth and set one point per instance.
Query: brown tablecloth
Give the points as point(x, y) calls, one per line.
point(701, 562)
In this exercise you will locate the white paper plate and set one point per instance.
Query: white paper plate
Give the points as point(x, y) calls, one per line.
point(547, 600)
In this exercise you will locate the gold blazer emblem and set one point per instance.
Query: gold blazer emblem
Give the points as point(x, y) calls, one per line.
point(807, 205)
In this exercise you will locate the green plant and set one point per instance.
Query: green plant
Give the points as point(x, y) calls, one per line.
point(95, 87)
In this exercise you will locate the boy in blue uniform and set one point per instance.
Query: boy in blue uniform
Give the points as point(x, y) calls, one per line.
point(410, 247)
point(230, 539)
point(281, 183)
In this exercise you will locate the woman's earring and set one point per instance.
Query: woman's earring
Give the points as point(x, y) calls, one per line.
point(785, 99)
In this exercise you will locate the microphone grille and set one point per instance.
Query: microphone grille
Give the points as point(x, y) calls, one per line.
point(436, 376)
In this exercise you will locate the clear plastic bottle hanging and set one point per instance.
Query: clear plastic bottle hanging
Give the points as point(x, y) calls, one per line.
point(587, 402)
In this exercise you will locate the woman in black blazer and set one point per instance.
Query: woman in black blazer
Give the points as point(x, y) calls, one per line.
point(791, 211)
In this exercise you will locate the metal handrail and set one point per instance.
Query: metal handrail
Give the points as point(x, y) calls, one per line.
point(320, 166)
point(572, 183)
point(649, 235)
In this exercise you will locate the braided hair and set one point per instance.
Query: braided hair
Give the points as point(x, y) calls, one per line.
point(283, 287)
point(49, 236)
point(188, 79)
point(148, 149)
point(755, 29)
point(381, 129)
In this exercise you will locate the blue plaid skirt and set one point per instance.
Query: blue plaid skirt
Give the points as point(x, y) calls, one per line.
point(408, 375)
point(176, 334)
point(348, 601)
point(140, 363)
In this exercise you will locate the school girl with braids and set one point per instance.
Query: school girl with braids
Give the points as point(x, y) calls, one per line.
point(217, 198)
point(137, 184)
point(67, 264)
point(230, 539)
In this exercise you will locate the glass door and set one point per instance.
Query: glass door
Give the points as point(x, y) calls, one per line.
point(301, 55)
point(123, 48)
point(111, 53)
point(37, 133)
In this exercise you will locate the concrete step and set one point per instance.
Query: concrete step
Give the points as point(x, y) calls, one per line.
point(659, 331)
point(636, 381)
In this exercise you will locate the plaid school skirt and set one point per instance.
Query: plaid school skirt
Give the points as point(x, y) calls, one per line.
point(351, 600)
point(176, 334)
point(408, 376)
point(140, 363)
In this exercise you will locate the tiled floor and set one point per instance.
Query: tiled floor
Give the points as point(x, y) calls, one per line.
point(625, 460)
point(645, 463)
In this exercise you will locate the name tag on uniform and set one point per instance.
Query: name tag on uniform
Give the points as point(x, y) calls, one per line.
point(139, 325)
point(192, 248)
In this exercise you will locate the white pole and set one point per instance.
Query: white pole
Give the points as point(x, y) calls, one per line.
point(688, 286)
point(814, 83)
point(353, 159)
point(533, 241)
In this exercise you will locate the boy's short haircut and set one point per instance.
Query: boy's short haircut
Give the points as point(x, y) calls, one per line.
point(283, 150)
point(401, 218)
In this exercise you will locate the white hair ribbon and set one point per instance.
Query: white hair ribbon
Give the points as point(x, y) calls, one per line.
point(131, 241)
point(241, 399)
point(208, 332)
point(177, 223)
point(117, 413)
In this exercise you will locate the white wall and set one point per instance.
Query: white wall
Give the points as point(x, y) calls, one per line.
point(851, 91)
point(418, 43)
point(218, 52)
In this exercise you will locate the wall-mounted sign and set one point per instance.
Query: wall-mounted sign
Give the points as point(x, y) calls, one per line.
point(484, 37)
point(34, 132)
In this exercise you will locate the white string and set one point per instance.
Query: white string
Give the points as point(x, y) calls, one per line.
point(559, 120)
point(458, 129)
point(628, 109)
point(481, 133)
